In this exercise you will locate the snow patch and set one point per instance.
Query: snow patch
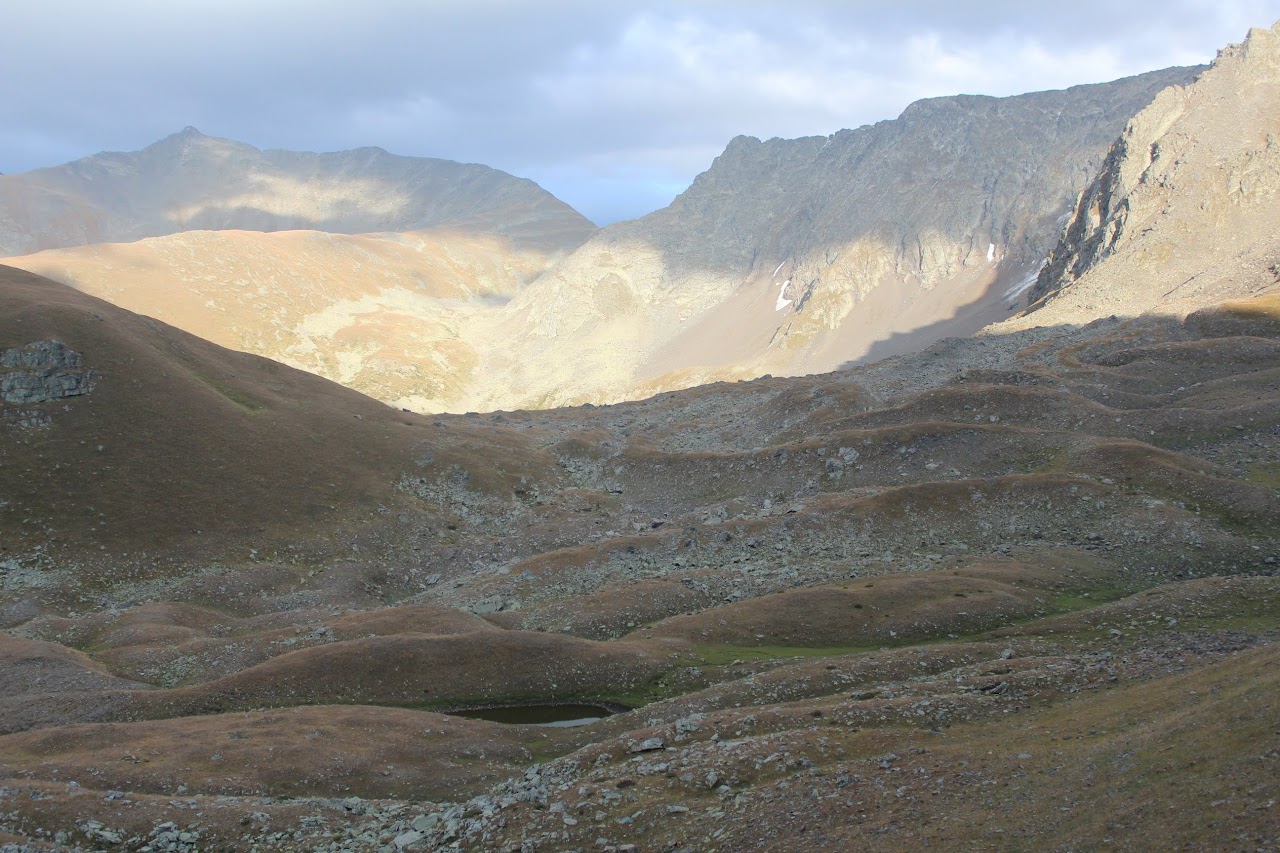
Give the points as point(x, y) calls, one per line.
point(782, 301)
point(991, 252)
point(775, 272)
point(1024, 285)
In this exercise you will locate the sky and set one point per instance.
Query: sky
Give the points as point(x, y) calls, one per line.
point(613, 106)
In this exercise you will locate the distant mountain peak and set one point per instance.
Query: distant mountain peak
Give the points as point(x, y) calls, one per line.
point(186, 135)
point(191, 181)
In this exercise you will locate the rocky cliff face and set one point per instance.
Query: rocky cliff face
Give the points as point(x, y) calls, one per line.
point(798, 255)
point(1183, 211)
point(190, 181)
point(37, 373)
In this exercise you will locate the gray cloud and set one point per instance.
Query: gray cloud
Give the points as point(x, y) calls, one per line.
point(612, 106)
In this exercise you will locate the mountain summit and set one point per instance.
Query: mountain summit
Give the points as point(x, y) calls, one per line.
point(189, 181)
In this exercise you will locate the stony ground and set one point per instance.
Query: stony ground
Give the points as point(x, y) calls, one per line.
point(1011, 592)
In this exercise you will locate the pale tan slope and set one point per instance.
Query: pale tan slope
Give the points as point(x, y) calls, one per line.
point(795, 256)
point(1185, 212)
point(384, 315)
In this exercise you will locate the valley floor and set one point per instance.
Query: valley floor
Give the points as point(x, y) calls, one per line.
point(1006, 594)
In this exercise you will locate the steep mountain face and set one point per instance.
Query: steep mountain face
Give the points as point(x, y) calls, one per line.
point(1183, 213)
point(190, 181)
point(799, 255)
point(786, 256)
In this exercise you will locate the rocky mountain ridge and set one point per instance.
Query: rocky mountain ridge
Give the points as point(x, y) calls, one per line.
point(256, 264)
point(785, 257)
point(1183, 211)
point(793, 256)
point(189, 181)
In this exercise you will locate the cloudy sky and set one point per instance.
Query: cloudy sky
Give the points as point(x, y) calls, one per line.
point(612, 105)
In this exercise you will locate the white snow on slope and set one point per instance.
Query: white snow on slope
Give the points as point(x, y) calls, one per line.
point(1024, 285)
point(782, 301)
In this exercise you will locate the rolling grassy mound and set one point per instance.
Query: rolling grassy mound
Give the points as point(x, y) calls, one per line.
point(850, 602)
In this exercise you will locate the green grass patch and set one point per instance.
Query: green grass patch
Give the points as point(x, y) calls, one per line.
point(236, 396)
point(723, 655)
point(1266, 475)
point(1048, 460)
point(1069, 602)
point(546, 748)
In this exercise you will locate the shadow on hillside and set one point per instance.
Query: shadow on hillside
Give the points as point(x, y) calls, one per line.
point(968, 319)
point(965, 322)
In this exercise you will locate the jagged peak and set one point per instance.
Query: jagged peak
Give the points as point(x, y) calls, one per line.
point(1260, 44)
point(187, 134)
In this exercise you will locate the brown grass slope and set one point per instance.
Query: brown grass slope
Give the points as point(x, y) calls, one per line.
point(183, 443)
point(799, 560)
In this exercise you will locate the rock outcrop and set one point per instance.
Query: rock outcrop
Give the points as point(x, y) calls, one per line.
point(790, 256)
point(43, 371)
point(1183, 212)
point(189, 181)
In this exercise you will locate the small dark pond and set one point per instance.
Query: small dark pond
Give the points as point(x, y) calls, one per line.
point(563, 715)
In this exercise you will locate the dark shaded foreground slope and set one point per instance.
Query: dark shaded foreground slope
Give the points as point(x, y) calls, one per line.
point(1009, 592)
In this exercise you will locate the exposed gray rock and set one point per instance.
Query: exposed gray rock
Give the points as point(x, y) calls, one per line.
point(800, 246)
point(40, 372)
point(407, 839)
point(650, 745)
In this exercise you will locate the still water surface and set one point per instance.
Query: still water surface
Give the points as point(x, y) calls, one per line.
point(561, 716)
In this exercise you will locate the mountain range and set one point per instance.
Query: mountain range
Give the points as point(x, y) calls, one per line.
point(962, 585)
point(192, 182)
point(786, 257)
